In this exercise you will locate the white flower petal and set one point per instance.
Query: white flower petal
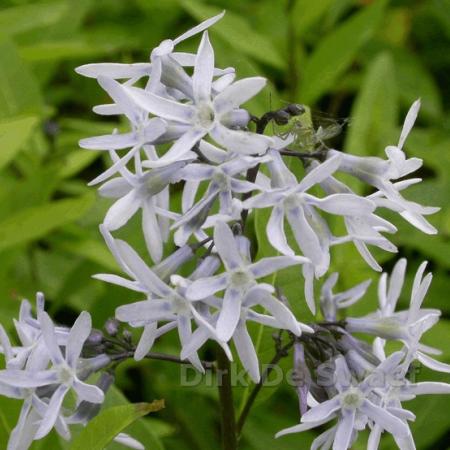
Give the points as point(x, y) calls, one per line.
point(48, 333)
point(122, 211)
point(53, 411)
point(151, 230)
point(145, 311)
point(142, 272)
point(320, 173)
point(160, 106)
point(199, 28)
point(115, 188)
point(239, 141)
point(203, 70)
point(268, 265)
point(88, 392)
point(246, 351)
point(409, 122)
point(275, 231)
point(121, 96)
point(109, 141)
point(432, 364)
point(77, 336)
point(114, 70)
point(229, 314)
point(146, 341)
point(226, 246)
point(323, 411)
point(238, 93)
point(388, 421)
point(344, 430)
point(205, 287)
point(343, 204)
point(28, 379)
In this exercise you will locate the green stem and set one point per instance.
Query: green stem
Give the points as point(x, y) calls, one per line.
point(228, 422)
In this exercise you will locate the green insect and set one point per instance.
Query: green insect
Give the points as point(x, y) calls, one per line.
point(310, 130)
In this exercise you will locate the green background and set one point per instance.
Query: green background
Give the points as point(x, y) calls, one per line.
point(362, 60)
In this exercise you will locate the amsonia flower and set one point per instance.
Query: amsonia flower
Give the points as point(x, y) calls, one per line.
point(238, 279)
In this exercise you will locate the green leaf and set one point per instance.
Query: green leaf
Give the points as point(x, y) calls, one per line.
point(35, 222)
point(19, 90)
point(417, 81)
point(237, 32)
point(18, 19)
point(109, 423)
point(374, 113)
point(14, 133)
point(335, 53)
point(306, 13)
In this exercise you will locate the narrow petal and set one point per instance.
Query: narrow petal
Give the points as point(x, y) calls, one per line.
point(121, 97)
point(427, 387)
point(343, 204)
point(53, 411)
point(120, 281)
point(116, 167)
point(320, 173)
point(238, 141)
point(305, 236)
point(48, 333)
point(142, 272)
point(199, 28)
point(323, 411)
point(301, 427)
point(269, 265)
point(78, 334)
point(344, 431)
point(275, 231)
point(114, 70)
point(122, 211)
point(88, 392)
point(146, 341)
point(162, 107)
point(229, 314)
point(238, 93)
point(433, 364)
point(115, 188)
point(246, 351)
point(409, 122)
point(180, 149)
point(205, 287)
point(144, 311)
point(151, 230)
point(280, 312)
point(388, 421)
point(226, 246)
point(109, 141)
point(28, 379)
point(203, 70)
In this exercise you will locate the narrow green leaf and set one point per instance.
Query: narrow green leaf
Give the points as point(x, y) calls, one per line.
point(26, 17)
point(35, 222)
point(375, 110)
point(417, 81)
point(19, 90)
point(109, 423)
point(306, 14)
point(238, 32)
point(14, 133)
point(335, 53)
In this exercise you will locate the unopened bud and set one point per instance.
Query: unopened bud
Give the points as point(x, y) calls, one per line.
point(112, 326)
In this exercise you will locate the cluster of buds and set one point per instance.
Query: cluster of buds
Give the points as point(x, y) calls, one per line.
point(188, 128)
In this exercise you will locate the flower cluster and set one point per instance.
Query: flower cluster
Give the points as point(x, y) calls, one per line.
point(361, 386)
point(197, 165)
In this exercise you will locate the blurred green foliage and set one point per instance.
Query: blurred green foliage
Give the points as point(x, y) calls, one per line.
point(359, 59)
